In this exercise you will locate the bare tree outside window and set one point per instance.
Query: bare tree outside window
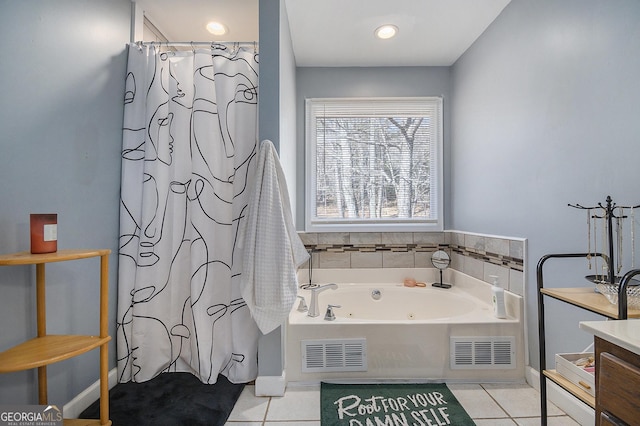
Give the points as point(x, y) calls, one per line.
point(374, 165)
point(372, 168)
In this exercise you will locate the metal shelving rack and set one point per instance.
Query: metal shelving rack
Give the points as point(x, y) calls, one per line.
point(584, 298)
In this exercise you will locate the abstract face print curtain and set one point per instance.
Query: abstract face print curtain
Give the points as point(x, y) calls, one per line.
point(189, 146)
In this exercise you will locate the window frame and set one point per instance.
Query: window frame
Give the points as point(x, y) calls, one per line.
point(312, 224)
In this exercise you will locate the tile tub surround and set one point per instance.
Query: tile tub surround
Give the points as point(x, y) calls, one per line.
point(476, 255)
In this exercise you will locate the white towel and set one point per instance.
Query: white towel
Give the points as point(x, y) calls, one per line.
point(272, 248)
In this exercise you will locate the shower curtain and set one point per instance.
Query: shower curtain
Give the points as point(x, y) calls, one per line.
point(189, 146)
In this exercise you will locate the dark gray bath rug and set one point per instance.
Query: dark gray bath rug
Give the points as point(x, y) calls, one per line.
point(170, 399)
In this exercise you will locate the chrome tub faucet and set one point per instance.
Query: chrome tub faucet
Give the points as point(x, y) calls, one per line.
point(313, 305)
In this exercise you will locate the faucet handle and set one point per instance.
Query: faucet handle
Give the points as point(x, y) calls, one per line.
point(330, 316)
point(302, 307)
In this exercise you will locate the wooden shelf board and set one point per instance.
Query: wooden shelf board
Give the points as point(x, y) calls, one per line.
point(27, 258)
point(588, 299)
point(570, 387)
point(45, 350)
point(84, 422)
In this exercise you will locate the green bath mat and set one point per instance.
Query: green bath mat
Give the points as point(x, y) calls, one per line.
point(420, 404)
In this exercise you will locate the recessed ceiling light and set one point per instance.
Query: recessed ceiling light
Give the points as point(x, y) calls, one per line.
point(216, 28)
point(386, 31)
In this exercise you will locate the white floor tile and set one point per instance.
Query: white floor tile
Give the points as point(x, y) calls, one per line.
point(551, 421)
point(488, 405)
point(519, 399)
point(494, 422)
point(249, 407)
point(476, 401)
point(298, 403)
point(235, 423)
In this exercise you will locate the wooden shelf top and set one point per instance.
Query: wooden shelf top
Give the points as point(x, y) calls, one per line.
point(27, 258)
point(587, 298)
point(570, 387)
point(45, 350)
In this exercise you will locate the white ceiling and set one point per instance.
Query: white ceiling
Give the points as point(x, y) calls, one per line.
point(185, 20)
point(340, 32)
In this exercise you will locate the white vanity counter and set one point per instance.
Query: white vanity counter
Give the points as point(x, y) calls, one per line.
point(623, 333)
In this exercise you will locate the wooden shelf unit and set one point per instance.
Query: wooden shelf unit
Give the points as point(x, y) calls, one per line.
point(46, 349)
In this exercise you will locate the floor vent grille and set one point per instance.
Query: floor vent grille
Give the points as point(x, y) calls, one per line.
point(337, 355)
point(469, 353)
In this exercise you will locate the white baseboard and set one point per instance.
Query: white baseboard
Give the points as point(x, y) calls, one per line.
point(270, 385)
point(77, 405)
point(568, 403)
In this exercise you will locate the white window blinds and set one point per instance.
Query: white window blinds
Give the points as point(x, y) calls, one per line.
point(374, 161)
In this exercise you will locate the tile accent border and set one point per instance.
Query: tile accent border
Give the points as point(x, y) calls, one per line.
point(479, 256)
point(488, 257)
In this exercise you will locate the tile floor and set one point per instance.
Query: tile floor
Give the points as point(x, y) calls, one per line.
point(488, 404)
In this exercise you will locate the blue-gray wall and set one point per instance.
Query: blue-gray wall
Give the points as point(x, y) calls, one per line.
point(61, 111)
point(546, 112)
point(312, 82)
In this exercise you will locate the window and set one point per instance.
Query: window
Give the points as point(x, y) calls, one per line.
point(374, 164)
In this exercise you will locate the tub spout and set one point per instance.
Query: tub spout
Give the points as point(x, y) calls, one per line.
point(313, 308)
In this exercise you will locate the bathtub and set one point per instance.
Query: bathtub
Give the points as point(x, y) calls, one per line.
point(404, 333)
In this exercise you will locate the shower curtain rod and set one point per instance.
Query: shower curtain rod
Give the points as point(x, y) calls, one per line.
point(194, 43)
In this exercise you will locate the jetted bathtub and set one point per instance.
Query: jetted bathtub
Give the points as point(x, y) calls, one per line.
point(386, 331)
